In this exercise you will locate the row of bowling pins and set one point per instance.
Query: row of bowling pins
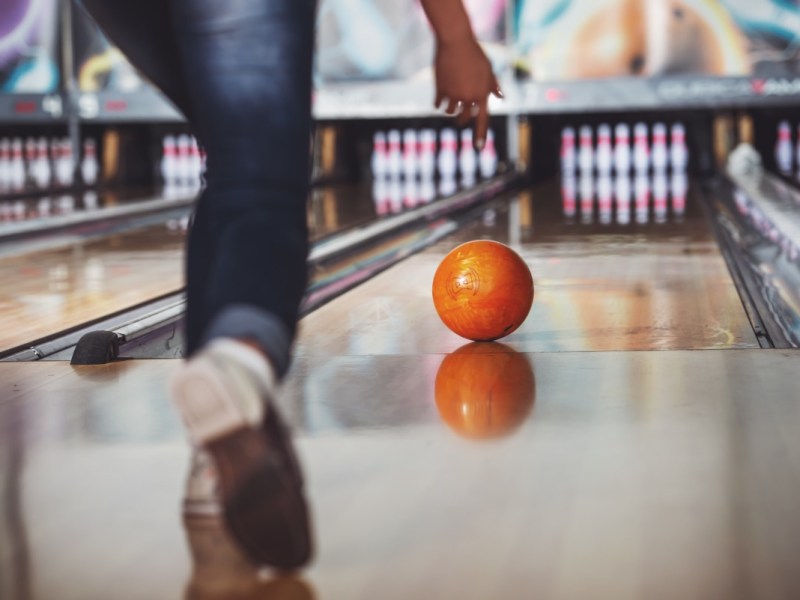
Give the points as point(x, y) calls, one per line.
point(629, 195)
point(393, 195)
point(183, 161)
point(785, 153)
point(619, 155)
point(43, 165)
point(415, 155)
point(45, 207)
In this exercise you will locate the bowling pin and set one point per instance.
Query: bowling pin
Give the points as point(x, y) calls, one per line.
point(783, 148)
point(797, 151)
point(641, 187)
point(660, 196)
point(378, 160)
point(448, 150)
point(5, 164)
point(67, 163)
point(487, 161)
point(586, 197)
point(89, 165)
point(641, 149)
point(90, 200)
point(678, 152)
point(43, 207)
point(622, 148)
point(410, 152)
point(183, 165)
point(19, 210)
point(568, 202)
point(678, 188)
point(659, 156)
point(427, 153)
point(31, 162)
point(467, 161)
point(604, 198)
point(168, 159)
point(568, 150)
point(195, 163)
point(40, 166)
point(17, 169)
point(585, 151)
point(604, 156)
point(394, 155)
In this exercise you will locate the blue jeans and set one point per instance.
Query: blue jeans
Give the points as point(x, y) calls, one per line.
point(240, 71)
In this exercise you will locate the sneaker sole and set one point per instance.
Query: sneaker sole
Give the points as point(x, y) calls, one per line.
point(264, 508)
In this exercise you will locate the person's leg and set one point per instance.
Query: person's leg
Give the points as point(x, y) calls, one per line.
point(247, 66)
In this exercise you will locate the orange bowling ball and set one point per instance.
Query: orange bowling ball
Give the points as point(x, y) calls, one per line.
point(483, 290)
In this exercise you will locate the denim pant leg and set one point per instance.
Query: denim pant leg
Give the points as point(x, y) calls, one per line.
point(247, 66)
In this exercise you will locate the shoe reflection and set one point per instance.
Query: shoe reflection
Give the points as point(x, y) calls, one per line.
point(485, 390)
point(220, 572)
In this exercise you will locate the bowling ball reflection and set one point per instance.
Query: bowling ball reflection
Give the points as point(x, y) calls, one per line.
point(485, 390)
point(220, 572)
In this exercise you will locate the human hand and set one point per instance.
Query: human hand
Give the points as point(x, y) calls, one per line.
point(464, 80)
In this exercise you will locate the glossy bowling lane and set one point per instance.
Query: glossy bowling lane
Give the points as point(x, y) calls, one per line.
point(61, 283)
point(616, 286)
point(474, 475)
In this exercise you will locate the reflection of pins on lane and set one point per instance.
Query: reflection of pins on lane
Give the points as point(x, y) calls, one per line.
point(641, 150)
point(622, 193)
point(604, 201)
point(379, 196)
point(467, 161)
point(587, 197)
point(410, 193)
point(447, 186)
point(659, 155)
point(604, 156)
point(568, 203)
point(622, 148)
point(641, 190)
point(568, 150)
point(395, 195)
point(586, 152)
point(394, 157)
point(783, 148)
point(448, 150)
point(410, 150)
point(678, 153)
point(427, 153)
point(660, 197)
point(678, 185)
point(427, 189)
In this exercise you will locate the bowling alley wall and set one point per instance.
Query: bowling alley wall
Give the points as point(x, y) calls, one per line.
point(75, 114)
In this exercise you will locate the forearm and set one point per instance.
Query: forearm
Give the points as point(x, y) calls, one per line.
point(448, 19)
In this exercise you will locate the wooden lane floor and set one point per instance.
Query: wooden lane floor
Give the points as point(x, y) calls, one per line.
point(481, 474)
point(598, 287)
point(42, 293)
point(50, 290)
